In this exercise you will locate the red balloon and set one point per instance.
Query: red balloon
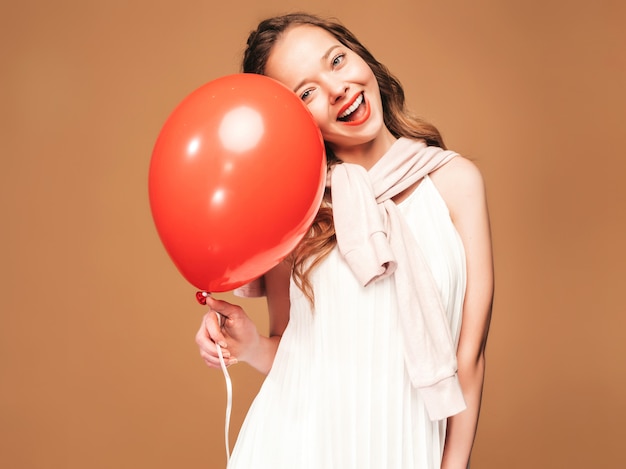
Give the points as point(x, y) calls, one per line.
point(236, 177)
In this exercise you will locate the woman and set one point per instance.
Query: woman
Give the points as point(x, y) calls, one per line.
point(379, 319)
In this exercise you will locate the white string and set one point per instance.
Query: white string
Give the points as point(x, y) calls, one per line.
point(229, 395)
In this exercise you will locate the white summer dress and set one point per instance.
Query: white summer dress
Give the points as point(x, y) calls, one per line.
point(338, 395)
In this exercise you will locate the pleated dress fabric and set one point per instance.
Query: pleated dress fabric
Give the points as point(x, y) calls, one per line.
point(338, 395)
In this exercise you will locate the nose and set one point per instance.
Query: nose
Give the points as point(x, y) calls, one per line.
point(337, 90)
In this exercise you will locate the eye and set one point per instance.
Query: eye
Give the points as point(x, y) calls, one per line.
point(306, 94)
point(338, 59)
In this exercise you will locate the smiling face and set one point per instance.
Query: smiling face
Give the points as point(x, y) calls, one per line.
point(339, 89)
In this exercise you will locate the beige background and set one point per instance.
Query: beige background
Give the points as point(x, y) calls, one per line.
point(98, 366)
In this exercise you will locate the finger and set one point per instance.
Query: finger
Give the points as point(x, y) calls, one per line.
point(208, 348)
point(213, 328)
point(215, 363)
point(212, 362)
point(211, 356)
point(208, 334)
point(223, 307)
point(209, 351)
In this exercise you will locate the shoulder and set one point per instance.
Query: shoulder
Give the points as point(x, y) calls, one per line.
point(459, 172)
point(461, 185)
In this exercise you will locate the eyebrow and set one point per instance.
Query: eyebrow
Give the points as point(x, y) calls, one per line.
point(328, 52)
point(324, 58)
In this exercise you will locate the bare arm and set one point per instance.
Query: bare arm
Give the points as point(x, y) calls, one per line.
point(238, 335)
point(461, 185)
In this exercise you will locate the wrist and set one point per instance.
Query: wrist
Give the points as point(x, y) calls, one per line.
point(261, 354)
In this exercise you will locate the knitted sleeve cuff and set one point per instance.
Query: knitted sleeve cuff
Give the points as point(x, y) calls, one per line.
point(372, 260)
point(253, 289)
point(443, 399)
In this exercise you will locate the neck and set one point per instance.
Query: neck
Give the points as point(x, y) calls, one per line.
point(366, 154)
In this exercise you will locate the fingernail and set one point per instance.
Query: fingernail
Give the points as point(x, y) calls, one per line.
point(232, 361)
point(222, 344)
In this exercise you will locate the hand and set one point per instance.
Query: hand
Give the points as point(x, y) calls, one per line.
point(229, 326)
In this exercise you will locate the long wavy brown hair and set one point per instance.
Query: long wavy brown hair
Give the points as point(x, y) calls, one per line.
point(321, 239)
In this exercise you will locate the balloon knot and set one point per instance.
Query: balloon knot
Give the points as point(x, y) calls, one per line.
point(201, 297)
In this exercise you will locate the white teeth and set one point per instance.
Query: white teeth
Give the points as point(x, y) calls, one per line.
point(352, 108)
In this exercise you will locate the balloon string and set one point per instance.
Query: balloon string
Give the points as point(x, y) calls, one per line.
point(229, 396)
point(201, 296)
